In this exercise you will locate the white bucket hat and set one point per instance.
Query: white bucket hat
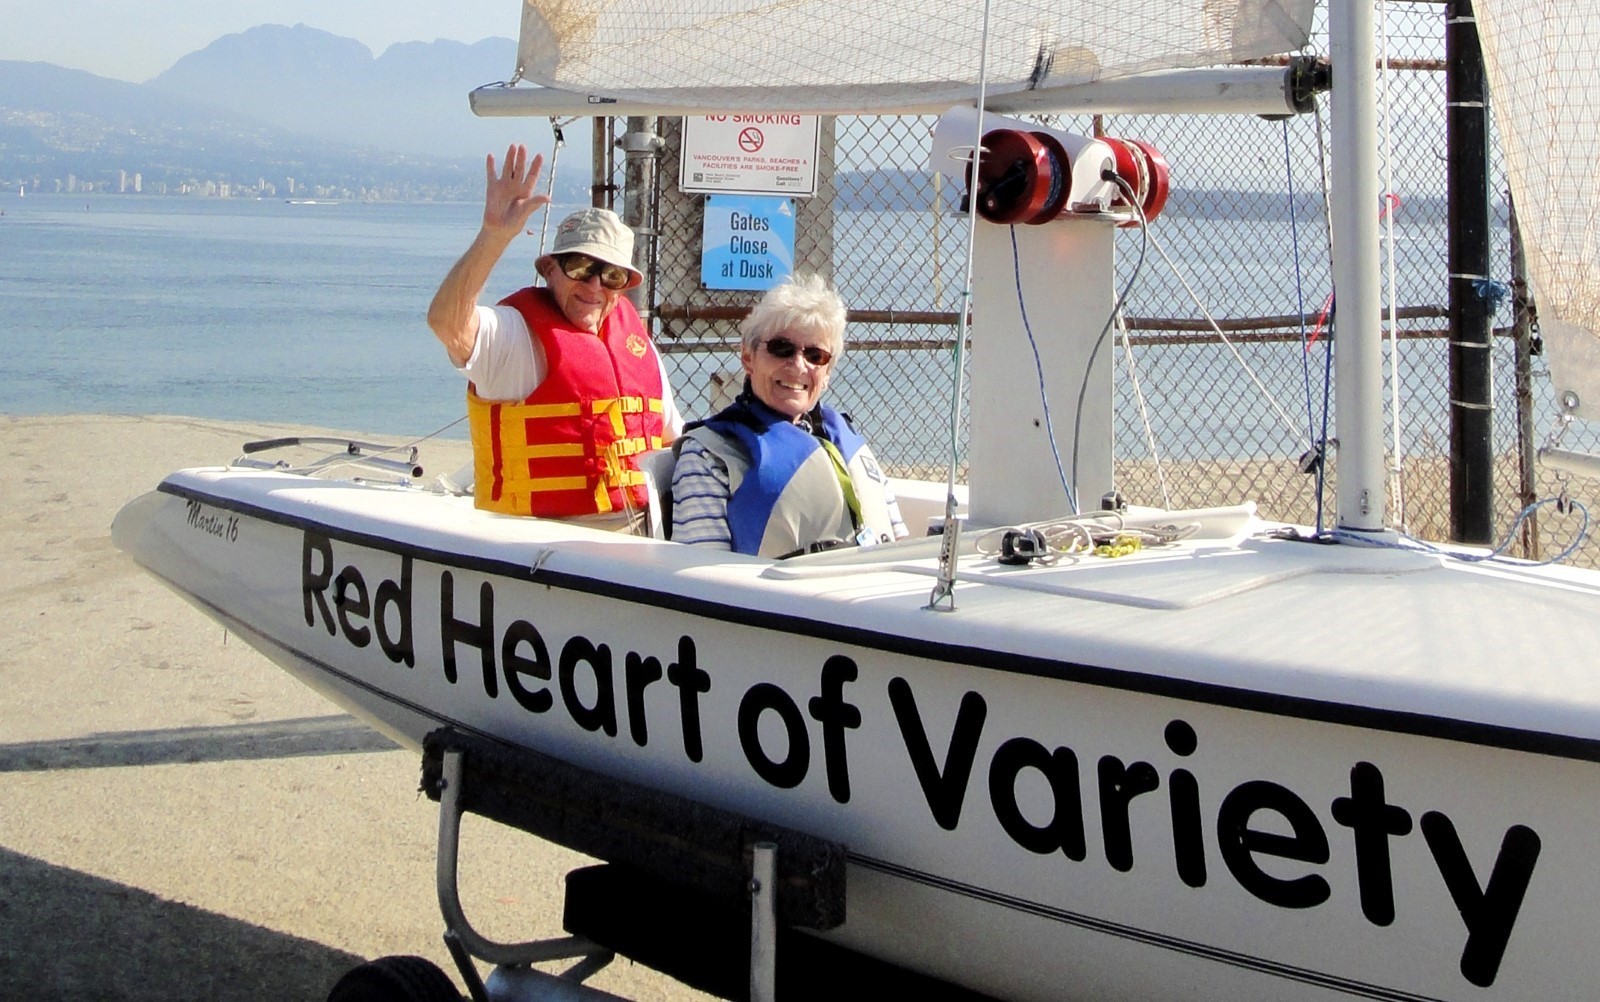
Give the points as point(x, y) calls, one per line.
point(600, 234)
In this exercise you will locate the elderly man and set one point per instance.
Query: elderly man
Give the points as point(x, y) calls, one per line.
point(565, 387)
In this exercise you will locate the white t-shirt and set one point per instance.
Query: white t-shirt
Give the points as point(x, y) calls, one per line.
point(507, 363)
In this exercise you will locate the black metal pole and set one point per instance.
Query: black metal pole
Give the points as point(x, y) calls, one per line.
point(1522, 312)
point(1471, 360)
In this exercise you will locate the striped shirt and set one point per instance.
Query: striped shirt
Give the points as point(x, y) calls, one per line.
point(700, 498)
point(700, 491)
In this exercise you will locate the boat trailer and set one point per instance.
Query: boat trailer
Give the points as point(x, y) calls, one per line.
point(708, 896)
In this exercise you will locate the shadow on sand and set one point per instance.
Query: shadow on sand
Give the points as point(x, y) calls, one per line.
point(66, 935)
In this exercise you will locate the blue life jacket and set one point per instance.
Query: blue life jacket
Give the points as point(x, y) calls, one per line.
point(786, 492)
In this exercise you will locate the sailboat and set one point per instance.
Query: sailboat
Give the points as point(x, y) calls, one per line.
point(1243, 761)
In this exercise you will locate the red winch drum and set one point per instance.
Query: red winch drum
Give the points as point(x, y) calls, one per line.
point(1023, 177)
point(1145, 170)
point(1026, 177)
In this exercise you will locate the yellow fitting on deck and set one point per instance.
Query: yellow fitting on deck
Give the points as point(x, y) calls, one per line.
point(1120, 546)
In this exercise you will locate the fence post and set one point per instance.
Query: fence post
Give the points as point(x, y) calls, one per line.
point(1471, 355)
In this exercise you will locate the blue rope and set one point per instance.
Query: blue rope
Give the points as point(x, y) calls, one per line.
point(1299, 291)
point(1327, 402)
point(1491, 292)
point(1038, 368)
point(1317, 443)
point(1422, 546)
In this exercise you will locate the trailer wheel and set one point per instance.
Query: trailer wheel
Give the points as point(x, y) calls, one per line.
point(395, 979)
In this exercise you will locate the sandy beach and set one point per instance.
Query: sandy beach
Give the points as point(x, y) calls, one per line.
point(178, 818)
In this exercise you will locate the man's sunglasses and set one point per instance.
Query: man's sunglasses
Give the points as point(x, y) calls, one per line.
point(782, 347)
point(580, 267)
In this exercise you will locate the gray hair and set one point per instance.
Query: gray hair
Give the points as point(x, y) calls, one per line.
point(803, 303)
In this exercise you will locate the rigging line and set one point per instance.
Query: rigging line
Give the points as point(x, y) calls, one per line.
point(944, 587)
point(1318, 446)
point(1144, 414)
point(964, 311)
point(1238, 356)
point(1038, 368)
point(433, 434)
point(555, 156)
point(1496, 555)
point(1390, 202)
point(1299, 288)
point(1116, 308)
point(1327, 354)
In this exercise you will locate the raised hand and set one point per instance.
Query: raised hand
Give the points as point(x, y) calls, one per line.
point(509, 196)
point(508, 201)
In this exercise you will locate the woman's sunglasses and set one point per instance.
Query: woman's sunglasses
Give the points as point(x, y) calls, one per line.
point(579, 268)
point(782, 347)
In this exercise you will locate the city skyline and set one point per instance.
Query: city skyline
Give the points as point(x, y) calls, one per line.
point(132, 183)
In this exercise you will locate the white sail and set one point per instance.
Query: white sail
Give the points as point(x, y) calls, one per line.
point(852, 56)
point(1543, 64)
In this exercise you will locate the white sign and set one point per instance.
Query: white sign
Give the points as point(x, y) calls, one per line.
point(750, 154)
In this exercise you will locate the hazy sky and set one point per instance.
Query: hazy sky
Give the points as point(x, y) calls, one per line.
point(136, 41)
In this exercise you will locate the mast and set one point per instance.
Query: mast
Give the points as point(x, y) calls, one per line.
point(1358, 346)
point(1471, 358)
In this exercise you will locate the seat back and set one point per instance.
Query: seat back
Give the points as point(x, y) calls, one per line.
point(657, 468)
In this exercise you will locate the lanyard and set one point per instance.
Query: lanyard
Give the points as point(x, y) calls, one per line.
point(849, 489)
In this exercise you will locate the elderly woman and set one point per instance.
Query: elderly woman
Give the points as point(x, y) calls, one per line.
point(777, 473)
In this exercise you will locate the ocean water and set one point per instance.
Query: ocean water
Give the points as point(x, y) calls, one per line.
point(314, 314)
point(234, 309)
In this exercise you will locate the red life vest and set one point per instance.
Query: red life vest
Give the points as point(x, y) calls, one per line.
point(571, 448)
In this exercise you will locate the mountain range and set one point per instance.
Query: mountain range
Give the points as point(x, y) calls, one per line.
point(269, 102)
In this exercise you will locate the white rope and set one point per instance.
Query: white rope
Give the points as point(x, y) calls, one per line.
point(1397, 466)
point(1082, 533)
point(1144, 414)
point(1327, 184)
point(1266, 394)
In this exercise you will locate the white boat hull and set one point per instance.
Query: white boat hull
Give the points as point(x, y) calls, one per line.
point(1190, 774)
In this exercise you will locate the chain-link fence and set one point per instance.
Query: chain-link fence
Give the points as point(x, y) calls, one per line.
point(1223, 374)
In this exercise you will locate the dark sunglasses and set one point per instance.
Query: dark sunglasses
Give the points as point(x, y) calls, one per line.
point(782, 347)
point(580, 267)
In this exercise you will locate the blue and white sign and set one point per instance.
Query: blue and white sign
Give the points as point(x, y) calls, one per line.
point(749, 241)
